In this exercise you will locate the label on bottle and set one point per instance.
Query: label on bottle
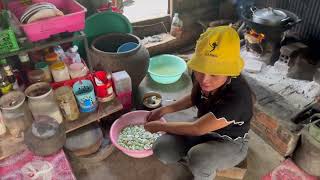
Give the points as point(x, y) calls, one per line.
point(8, 70)
point(6, 89)
point(110, 91)
point(24, 58)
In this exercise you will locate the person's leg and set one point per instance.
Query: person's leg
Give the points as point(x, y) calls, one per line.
point(205, 158)
point(170, 148)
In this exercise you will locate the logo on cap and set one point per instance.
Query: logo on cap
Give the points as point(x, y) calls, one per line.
point(213, 46)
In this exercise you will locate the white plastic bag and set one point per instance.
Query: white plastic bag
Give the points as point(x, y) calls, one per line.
point(37, 170)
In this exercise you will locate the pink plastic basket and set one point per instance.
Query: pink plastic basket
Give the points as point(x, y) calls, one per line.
point(131, 118)
point(73, 20)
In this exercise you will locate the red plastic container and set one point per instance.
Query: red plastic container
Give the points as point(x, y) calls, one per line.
point(125, 99)
point(73, 20)
point(104, 92)
point(70, 82)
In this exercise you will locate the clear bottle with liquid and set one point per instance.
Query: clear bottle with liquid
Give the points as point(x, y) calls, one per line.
point(176, 26)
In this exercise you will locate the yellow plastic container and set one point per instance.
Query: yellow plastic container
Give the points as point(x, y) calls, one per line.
point(59, 72)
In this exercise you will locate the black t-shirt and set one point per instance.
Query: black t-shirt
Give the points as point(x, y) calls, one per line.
point(233, 103)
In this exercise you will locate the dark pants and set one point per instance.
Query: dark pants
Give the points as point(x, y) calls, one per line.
point(204, 154)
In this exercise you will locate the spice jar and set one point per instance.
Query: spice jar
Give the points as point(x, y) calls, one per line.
point(45, 68)
point(77, 70)
point(51, 58)
point(15, 112)
point(42, 102)
point(35, 76)
point(59, 72)
point(67, 103)
point(3, 128)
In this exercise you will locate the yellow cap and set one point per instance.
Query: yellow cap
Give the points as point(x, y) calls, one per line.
point(58, 66)
point(218, 52)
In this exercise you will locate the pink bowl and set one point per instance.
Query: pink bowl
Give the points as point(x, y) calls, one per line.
point(131, 118)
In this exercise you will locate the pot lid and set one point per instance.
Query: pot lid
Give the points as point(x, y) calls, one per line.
point(269, 14)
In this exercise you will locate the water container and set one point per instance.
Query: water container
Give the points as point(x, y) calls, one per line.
point(176, 26)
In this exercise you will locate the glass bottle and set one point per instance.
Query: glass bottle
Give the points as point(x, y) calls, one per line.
point(15, 112)
point(42, 102)
point(11, 77)
point(5, 85)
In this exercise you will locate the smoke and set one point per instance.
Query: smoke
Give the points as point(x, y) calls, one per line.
point(243, 5)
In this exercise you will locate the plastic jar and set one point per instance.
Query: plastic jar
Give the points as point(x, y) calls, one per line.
point(78, 70)
point(45, 68)
point(35, 76)
point(67, 103)
point(15, 112)
point(51, 58)
point(59, 72)
point(3, 128)
point(42, 102)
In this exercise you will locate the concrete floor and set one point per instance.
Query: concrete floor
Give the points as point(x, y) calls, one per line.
point(261, 159)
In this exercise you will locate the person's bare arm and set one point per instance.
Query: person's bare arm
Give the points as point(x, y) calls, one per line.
point(203, 125)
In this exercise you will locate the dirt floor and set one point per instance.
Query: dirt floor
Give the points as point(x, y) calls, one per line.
point(261, 159)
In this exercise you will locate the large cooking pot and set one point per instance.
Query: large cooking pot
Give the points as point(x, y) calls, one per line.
point(269, 16)
point(260, 20)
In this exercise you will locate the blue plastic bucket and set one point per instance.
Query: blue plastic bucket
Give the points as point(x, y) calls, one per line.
point(127, 47)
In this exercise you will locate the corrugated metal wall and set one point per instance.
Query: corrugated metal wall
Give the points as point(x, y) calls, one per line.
point(307, 10)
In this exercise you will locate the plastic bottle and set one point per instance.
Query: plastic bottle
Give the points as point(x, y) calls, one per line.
point(73, 54)
point(60, 52)
point(176, 26)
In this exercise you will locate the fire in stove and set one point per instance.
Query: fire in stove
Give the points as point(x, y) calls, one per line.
point(254, 41)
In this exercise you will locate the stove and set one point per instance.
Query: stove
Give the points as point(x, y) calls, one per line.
point(265, 39)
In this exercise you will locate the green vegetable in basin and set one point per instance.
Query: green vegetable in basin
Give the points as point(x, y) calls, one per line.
point(135, 137)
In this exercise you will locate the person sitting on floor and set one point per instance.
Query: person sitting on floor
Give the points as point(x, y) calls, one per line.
point(218, 139)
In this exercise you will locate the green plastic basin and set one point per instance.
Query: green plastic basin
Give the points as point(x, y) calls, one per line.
point(166, 69)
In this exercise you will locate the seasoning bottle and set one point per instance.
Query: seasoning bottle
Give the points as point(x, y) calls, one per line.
point(3, 128)
point(25, 61)
point(11, 77)
point(51, 58)
point(176, 26)
point(5, 85)
point(45, 68)
point(59, 72)
point(67, 103)
point(25, 66)
point(35, 76)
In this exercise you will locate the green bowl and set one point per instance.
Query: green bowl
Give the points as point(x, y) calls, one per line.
point(166, 69)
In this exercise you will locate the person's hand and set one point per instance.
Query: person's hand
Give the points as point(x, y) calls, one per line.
point(154, 126)
point(155, 114)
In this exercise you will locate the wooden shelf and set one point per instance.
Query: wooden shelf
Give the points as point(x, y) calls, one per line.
point(54, 41)
point(10, 145)
point(104, 109)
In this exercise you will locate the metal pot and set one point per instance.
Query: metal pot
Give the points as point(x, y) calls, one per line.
point(269, 16)
point(267, 29)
